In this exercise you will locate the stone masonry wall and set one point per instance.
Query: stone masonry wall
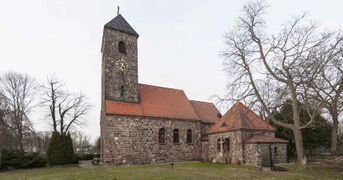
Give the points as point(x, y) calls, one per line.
point(114, 79)
point(281, 153)
point(247, 134)
point(250, 153)
point(204, 127)
point(235, 155)
point(204, 151)
point(254, 153)
point(134, 140)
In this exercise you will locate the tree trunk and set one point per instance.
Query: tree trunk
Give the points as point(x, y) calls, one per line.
point(334, 134)
point(299, 144)
point(302, 161)
point(20, 139)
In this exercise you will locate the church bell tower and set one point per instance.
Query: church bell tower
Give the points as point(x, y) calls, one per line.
point(119, 61)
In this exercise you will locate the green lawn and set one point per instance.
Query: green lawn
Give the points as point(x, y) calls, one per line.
point(195, 170)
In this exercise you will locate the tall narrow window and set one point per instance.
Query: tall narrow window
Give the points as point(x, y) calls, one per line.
point(275, 151)
point(122, 47)
point(189, 136)
point(122, 85)
point(227, 144)
point(176, 136)
point(218, 144)
point(122, 90)
point(161, 136)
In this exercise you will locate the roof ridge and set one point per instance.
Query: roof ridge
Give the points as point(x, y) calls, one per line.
point(161, 87)
point(201, 101)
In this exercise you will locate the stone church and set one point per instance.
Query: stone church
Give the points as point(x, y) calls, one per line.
point(143, 123)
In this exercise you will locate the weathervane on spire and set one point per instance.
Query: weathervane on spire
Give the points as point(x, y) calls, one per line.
point(118, 8)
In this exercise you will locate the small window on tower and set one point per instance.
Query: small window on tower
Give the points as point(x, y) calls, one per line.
point(122, 47)
point(122, 90)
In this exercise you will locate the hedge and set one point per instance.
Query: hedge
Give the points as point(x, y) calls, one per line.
point(15, 159)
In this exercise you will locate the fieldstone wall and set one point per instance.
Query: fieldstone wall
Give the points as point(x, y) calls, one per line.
point(280, 155)
point(117, 79)
point(242, 152)
point(134, 140)
point(247, 134)
point(235, 155)
point(204, 151)
point(204, 127)
point(252, 155)
point(254, 152)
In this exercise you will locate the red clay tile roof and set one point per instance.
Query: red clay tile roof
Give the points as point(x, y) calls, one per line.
point(266, 139)
point(240, 117)
point(156, 102)
point(206, 111)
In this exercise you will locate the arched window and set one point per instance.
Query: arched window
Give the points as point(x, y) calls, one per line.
point(227, 144)
point(122, 47)
point(161, 136)
point(189, 136)
point(176, 136)
point(218, 144)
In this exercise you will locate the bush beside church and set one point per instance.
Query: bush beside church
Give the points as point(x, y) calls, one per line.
point(15, 159)
point(60, 150)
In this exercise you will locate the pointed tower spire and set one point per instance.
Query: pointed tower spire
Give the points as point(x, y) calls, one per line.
point(120, 24)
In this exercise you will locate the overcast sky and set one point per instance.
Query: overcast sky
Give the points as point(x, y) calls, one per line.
point(178, 44)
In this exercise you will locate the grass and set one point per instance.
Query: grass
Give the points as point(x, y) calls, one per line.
point(194, 170)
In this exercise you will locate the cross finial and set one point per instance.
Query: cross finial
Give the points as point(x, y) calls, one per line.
point(118, 8)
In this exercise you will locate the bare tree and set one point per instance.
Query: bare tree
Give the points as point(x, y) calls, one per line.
point(66, 110)
point(18, 92)
point(96, 147)
point(81, 142)
point(7, 138)
point(329, 88)
point(266, 69)
point(42, 139)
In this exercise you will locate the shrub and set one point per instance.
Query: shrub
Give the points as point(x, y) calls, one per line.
point(60, 150)
point(16, 159)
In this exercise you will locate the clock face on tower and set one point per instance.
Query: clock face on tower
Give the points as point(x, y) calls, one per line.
point(120, 68)
point(122, 65)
